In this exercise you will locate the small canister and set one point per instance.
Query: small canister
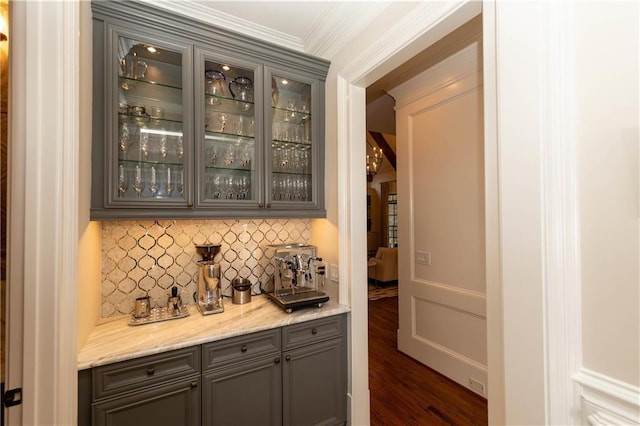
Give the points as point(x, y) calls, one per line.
point(241, 288)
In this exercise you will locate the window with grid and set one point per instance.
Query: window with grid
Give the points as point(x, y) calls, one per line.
point(392, 201)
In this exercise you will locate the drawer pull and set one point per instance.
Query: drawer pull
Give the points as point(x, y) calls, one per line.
point(287, 358)
point(277, 360)
point(194, 384)
point(151, 371)
point(314, 331)
point(244, 348)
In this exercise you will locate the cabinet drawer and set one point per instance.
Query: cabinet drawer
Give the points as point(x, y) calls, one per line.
point(239, 349)
point(307, 333)
point(129, 375)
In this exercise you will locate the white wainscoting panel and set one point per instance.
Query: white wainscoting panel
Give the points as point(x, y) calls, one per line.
point(607, 401)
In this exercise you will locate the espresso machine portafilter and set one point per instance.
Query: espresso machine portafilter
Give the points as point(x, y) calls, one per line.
point(209, 296)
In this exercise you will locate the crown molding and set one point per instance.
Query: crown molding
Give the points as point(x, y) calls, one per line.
point(336, 27)
point(196, 10)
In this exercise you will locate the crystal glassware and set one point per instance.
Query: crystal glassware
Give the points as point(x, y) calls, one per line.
point(169, 182)
point(138, 182)
point(153, 186)
point(123, 184)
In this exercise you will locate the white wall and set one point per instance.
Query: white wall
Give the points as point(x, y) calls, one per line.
point(441, 211)
point(607, 132)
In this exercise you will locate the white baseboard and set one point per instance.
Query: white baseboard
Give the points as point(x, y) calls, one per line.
point(607, 401)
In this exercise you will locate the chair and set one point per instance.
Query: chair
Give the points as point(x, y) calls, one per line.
point(383, 268)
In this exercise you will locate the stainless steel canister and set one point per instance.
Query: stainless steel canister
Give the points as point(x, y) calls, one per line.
point(241, 288)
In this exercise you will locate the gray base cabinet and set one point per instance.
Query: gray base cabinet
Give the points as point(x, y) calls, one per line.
point(295, 375)
point(246, 394)
point(173, 404)
point(314, 373)
point(314, 385)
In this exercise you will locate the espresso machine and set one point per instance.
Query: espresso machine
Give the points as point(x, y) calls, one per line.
point(298, 275)
point(209, 294)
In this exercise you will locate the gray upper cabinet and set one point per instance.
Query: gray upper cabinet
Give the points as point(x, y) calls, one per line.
point(191, 121)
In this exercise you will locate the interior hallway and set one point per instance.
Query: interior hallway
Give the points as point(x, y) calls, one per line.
point(405, 392)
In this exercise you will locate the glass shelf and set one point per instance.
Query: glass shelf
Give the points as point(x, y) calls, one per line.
point(230, 105)
point(149, 163)
point(227, 137)
point(150, 91)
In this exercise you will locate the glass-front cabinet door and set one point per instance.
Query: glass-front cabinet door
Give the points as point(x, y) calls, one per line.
point(228, 132)
point(151, 142)
point(293, 152)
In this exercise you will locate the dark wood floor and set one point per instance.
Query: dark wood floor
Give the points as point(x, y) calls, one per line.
point(405, 392)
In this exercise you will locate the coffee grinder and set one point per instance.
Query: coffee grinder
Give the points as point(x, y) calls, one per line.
point(209, 296)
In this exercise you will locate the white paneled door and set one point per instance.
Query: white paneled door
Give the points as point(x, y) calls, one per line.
point(439, 122)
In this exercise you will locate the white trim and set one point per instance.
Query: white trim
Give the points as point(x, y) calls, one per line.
point(201, 12)
point(457, 73)
point(433, 20)
point(46, 123)
point(561, 245)
point(16, 199)
point(337, 27)
point(495, 336)
point(608, 401)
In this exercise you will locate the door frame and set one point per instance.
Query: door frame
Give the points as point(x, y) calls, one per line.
point(43, 210)
point(532, 250)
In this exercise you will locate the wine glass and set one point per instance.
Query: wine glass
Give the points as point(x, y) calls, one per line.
point(144, 144)
point(216, 187)
point(163, 146)
point(169, 183)
point(123, 185)
point(153, 187)
point(180, 148)
point(123, 142)
point(138, 182)
point(181, 183)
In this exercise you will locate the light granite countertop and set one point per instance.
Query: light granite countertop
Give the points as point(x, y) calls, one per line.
point(116, 340)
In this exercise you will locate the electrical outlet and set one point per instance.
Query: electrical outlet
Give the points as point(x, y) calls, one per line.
point(476, 385)
point(423, 258)
point(334, 273)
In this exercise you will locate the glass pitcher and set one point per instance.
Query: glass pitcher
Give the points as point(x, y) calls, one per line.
point(241, 89)
point(214, 86)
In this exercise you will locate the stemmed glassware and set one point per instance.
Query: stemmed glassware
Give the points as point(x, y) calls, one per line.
point(180, 148)
point(169, 182)
point(180, 184)
point(153, 187)
point(138, 182)
point(123, 185)
point(124, 141)
point(144, 144)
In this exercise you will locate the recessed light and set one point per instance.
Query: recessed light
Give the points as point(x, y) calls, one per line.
point(152, 49)
point(226, 67)
point(285, 81)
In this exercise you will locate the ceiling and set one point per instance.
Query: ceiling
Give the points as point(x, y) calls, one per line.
point(319, 28)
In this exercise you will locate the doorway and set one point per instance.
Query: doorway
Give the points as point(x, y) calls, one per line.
point(441, 202)
point(425, 29)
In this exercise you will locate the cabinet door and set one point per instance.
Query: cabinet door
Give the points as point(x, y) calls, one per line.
point(314, 384)
point(148, 121)
point(244, 394)
point(229, 154)
point(173, 404)
point(295, 151)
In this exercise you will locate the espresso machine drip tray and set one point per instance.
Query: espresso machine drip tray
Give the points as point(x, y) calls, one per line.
point(302, 298)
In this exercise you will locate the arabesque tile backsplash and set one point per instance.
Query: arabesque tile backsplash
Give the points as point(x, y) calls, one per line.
point(149, 257)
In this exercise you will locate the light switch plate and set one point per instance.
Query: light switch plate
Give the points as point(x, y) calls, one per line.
point(334, 273)
point(423, 258)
